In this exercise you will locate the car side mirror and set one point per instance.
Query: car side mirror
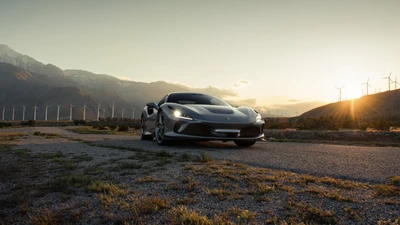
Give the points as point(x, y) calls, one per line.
point(152, 105)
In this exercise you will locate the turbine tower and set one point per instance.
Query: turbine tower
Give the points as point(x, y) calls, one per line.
point(84, 112)
point(104, 112)
point(45, 113)
point(58, 112)
point(389, 80)
point(13, 112)
point(133, 113)
point(23, 113)
point(367, 84)
point(70, 111)
point(112, 110)
point(395, 83)
point(4, 109)
point(340, 93)
point(122, 113)
point(98, 112)
point(34, 112)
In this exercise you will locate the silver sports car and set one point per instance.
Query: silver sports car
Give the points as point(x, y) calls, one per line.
point(200, 117)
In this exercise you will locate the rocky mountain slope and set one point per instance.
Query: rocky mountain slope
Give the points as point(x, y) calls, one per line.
point(26, 81)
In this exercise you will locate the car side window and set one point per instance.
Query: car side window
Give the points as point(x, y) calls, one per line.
point(162, 101)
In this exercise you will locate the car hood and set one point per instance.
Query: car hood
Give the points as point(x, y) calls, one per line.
point(224, 114)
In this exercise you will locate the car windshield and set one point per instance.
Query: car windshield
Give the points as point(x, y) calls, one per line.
point(193, 98)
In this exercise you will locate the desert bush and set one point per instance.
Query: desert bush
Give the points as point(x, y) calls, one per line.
point(113, 127)
point(79, 122)
point(32, 123)
point(102, 127)
point(123, 128)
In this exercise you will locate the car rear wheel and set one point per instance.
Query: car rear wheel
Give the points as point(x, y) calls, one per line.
point(142, 135)
point(160, 129)
point(243, 143)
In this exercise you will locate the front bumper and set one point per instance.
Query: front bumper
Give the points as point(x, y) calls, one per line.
point(200, 130)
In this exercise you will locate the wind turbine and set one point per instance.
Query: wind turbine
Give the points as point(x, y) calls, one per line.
point(70, 111)
point(23, 113)
point(367, 84)
point(58, 112)
point(34, 112)
point(4, 109)
point(122, 113)
point(389, 80)
point(340, 93)
point(133, 113)
point(84, 112)
point(45, 113)
point(395, 83)
point(13, 112)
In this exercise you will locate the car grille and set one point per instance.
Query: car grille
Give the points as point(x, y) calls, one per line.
point(207, 130)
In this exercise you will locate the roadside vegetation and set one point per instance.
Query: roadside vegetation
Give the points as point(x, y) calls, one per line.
point(101, 129)
point(161, 187)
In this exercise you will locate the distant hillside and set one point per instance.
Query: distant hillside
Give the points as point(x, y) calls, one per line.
point(26, 81)
point(385, 105)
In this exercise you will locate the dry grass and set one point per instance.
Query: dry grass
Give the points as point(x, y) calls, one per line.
point(91, 130)
point(53, 189)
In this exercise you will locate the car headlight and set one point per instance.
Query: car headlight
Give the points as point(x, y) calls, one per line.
point(258, 117)
point(180, 115)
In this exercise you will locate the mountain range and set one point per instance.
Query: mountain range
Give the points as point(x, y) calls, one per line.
point(28, 82)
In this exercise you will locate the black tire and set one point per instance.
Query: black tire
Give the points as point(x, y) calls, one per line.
point(142, 135)
point(159, 131)
point(243, 143)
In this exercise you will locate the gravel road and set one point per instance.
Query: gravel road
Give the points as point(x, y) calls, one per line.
point(373, 164)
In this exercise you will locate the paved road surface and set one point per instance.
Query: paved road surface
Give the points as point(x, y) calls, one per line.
point(374, 164)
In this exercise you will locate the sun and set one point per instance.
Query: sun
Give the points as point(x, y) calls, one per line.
point(351, 91)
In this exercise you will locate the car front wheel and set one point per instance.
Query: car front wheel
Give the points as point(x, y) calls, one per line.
point(160, 130)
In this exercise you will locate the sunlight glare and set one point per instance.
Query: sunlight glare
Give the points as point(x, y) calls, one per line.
point(351, 91)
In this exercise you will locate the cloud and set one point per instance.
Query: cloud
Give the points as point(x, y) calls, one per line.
point(125, 78)
point(221, 92)
point(241, 83)
point(211, 90)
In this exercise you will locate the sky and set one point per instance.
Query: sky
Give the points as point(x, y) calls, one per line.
point(274, 52)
